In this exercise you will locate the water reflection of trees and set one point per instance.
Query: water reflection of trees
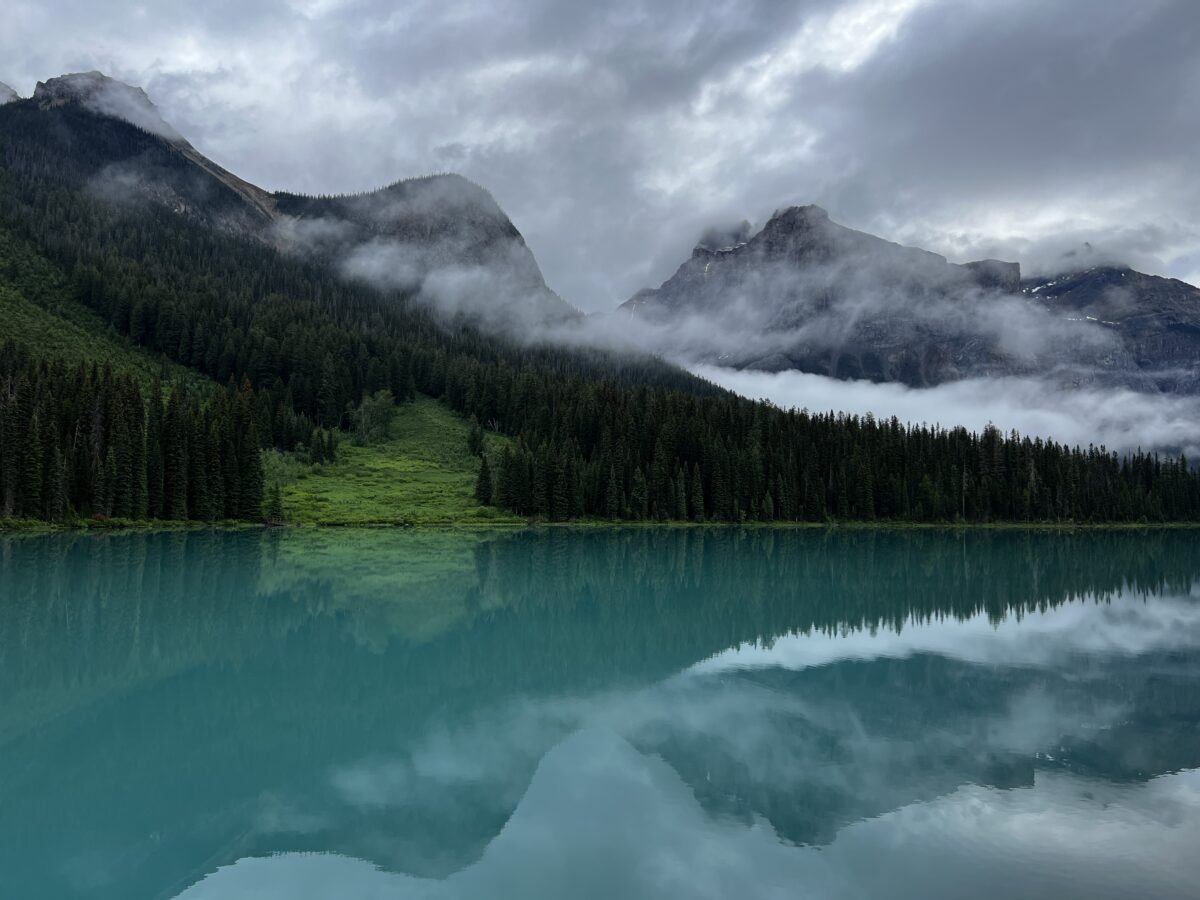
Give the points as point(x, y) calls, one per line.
point(81, 610)
point(183, 677)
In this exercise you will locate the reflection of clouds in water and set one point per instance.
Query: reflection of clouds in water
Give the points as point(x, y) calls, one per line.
point(698, 703)
point(595, 817)
point(494, 745)
point(601, 820)
point(1126, 626)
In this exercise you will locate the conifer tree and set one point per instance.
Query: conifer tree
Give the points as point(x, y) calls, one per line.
point(560, 502)
point(31, 471)
point(697, 501)
point(475, 440)
point(273, 513)
point(175, 456)
point(638, 497)
point(154, 453)
point(483, 484)
point(56, 497)
point(681, 495)
point(614, 500)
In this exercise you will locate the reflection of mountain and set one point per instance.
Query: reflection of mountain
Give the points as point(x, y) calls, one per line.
point(872, 741)
point(171, 702)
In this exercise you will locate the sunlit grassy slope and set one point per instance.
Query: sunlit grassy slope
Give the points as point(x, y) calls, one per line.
point(423, 474)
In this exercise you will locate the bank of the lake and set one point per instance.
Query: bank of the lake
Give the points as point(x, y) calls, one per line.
point(513, 523)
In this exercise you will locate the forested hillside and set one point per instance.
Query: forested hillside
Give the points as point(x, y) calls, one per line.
point(84, 441)
point(593, 434)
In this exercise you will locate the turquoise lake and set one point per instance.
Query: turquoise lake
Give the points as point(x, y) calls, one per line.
point(640, 713)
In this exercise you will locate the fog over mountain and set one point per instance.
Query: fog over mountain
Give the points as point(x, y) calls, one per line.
point(614, 134)
point(441, 240)
point(1070, 356)
point(806, 294)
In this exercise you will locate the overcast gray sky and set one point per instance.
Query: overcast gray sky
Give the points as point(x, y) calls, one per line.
point(613, 132)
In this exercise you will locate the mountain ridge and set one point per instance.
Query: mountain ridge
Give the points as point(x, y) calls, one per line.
point(809, 294)
point(165, 255)
point(403, 233)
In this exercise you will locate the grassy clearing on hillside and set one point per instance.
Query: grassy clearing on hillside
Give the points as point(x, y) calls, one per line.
point(422, 475)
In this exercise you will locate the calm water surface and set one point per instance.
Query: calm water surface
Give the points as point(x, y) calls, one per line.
point(609, 714)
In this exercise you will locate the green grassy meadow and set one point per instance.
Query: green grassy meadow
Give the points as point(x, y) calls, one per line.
point(422, 475)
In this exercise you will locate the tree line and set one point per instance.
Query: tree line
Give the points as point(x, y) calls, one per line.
point(83, 441)
point(593, 433)
point(667, 455)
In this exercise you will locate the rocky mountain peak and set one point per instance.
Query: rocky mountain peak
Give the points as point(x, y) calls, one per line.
point(995, 274)
point(107, 96)
point(809, 294)
point(716, 238)
point(795, 215)
point(7, 94)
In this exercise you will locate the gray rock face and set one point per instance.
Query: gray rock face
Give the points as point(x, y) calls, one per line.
point(806, 293)
point(997, 275)
point(1157, 320)
point(7, 94)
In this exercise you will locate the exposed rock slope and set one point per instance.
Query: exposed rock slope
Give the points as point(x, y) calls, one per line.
point(806, 293)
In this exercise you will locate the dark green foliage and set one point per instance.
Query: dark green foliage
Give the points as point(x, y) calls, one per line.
point(593, 433)
point(82, 442)
point(475, 439)
point(614, 500)
point(483, 486)
point(316, 448)
point(273, 511)
point(372, 417)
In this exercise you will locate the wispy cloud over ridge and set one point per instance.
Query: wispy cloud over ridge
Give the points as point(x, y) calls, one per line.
point(613, 135)
point(1121, 420)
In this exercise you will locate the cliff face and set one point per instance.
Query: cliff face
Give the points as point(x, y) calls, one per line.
point(7, 94)
point(1156, 320)
point(808, 294)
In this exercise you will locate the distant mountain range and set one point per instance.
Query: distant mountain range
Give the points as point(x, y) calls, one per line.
point(803, 293)
point(808, 294)
point(123, 249)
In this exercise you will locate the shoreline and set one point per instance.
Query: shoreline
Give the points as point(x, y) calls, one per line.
point(34, 527)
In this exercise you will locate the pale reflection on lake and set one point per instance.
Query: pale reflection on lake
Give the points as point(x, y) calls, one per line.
point(633, 713)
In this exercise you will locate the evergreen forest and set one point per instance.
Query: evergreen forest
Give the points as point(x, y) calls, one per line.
point(285, 351)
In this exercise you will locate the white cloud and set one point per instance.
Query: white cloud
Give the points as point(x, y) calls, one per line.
point(600, 820)
point(614, 134)
point(1121, 420)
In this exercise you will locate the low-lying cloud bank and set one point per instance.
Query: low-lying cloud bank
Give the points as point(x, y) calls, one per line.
point(1118, 419)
